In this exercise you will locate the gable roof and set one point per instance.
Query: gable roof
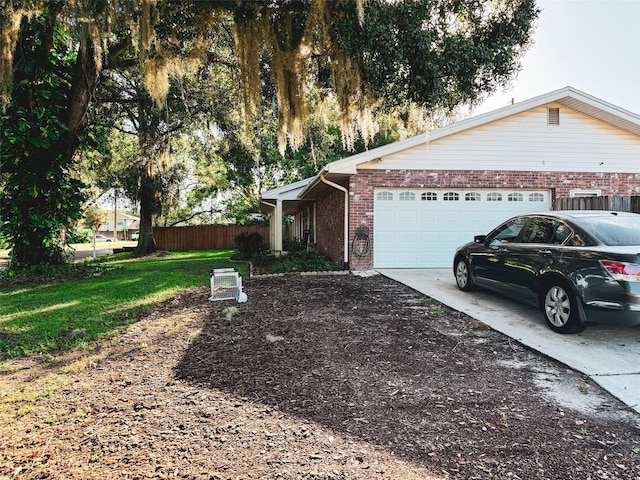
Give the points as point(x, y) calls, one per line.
point(567, 96)
point(289, 193)
point(339, 170)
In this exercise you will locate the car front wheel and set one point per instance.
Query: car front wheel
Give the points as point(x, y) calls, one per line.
point(463, 275)
point(560, 308)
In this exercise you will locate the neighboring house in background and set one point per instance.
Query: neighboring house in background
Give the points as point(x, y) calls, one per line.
point(411, 203)
point(126, 225)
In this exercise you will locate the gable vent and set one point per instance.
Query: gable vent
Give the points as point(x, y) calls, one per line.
point(553, 116)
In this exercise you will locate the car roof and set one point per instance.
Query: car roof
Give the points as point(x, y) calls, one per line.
point(576, 214)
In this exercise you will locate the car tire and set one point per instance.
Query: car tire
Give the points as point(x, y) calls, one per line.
point(560, 308)
point(462, 272)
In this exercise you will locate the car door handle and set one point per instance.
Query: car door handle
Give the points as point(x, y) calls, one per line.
point(544, 253)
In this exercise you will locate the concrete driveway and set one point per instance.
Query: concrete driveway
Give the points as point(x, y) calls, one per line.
point(608, 355)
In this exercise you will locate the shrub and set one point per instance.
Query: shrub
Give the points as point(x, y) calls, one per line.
point(249, 244)
point(78, 236)
point(295, 262)
point(290, 245)
point(304, 262)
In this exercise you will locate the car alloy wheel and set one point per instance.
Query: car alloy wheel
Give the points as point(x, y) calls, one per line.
point(561, 309)
point(463, 275)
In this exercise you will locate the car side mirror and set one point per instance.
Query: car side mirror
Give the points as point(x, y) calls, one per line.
point(480, 238)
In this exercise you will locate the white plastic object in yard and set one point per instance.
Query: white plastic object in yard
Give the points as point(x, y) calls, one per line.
point(226, 284)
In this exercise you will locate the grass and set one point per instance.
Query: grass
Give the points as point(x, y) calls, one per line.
point(49, 316)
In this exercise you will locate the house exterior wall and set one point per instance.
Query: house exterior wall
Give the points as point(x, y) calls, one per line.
point(520, 151)
point(365, 182)
point(524, 142)
point(330, 225)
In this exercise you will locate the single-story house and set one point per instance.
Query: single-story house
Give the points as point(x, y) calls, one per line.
point(410, 204)
point(126, 224)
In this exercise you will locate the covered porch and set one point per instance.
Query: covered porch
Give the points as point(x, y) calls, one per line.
point(282, 204)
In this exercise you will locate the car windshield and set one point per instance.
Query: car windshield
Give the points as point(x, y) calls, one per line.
point(614, 231)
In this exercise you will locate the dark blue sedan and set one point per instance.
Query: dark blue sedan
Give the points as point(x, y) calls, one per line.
point(578, 267)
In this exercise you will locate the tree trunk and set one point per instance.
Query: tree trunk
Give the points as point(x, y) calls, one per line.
point(146, 240)
point(85, 82)
point(153, 146)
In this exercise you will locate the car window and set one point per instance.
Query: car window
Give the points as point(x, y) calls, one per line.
point(507, 232)
point(539, 230)
point(578, 240)
point(614, 230)
point(562, 232)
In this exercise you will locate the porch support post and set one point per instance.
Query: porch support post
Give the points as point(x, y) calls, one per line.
point(275, 226)
point(278, 226)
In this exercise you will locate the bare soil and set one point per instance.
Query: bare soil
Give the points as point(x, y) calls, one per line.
point(315, 377)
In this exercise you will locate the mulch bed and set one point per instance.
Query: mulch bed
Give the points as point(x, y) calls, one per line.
point(315, 377)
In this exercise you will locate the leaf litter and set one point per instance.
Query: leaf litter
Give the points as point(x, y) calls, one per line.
point(315, 377)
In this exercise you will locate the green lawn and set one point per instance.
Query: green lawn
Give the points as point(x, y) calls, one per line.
point(49, 316)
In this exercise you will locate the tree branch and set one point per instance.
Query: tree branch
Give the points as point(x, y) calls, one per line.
point(192, 216)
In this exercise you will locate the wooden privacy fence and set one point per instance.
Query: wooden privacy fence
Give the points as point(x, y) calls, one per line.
point(204, 237)
point(614, 202)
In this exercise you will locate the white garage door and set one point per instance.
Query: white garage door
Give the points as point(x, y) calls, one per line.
point(423, 228)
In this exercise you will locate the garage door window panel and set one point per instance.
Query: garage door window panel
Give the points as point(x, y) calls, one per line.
point(407, 197)
point(515, 197)
point(494, 197)
point(451, 197)
point(429, 197)
point(472, 197)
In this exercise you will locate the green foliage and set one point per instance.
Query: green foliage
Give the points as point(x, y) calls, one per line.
point(291, 245)
point(34, 274)
point(73, 304)
point(432, 53)
point(435, 52)
point(299, 261)
point(93, 218)
point(38, 195)
point(304, 262)
point(78, 235)
point(249, 244)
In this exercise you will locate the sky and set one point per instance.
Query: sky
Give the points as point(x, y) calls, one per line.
point(591, 45)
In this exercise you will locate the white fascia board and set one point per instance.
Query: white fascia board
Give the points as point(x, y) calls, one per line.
point(578, 96)
point(287, 192)
point(348, 165)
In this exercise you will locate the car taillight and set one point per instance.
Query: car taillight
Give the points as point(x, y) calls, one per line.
point(627, 272)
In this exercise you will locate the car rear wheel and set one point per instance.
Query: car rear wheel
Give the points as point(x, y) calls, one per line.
point(463, 275)
point(560, 308)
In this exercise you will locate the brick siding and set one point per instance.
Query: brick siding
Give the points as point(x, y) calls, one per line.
point(330, 228)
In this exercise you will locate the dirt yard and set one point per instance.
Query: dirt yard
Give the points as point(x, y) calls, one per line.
point(316, 377)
